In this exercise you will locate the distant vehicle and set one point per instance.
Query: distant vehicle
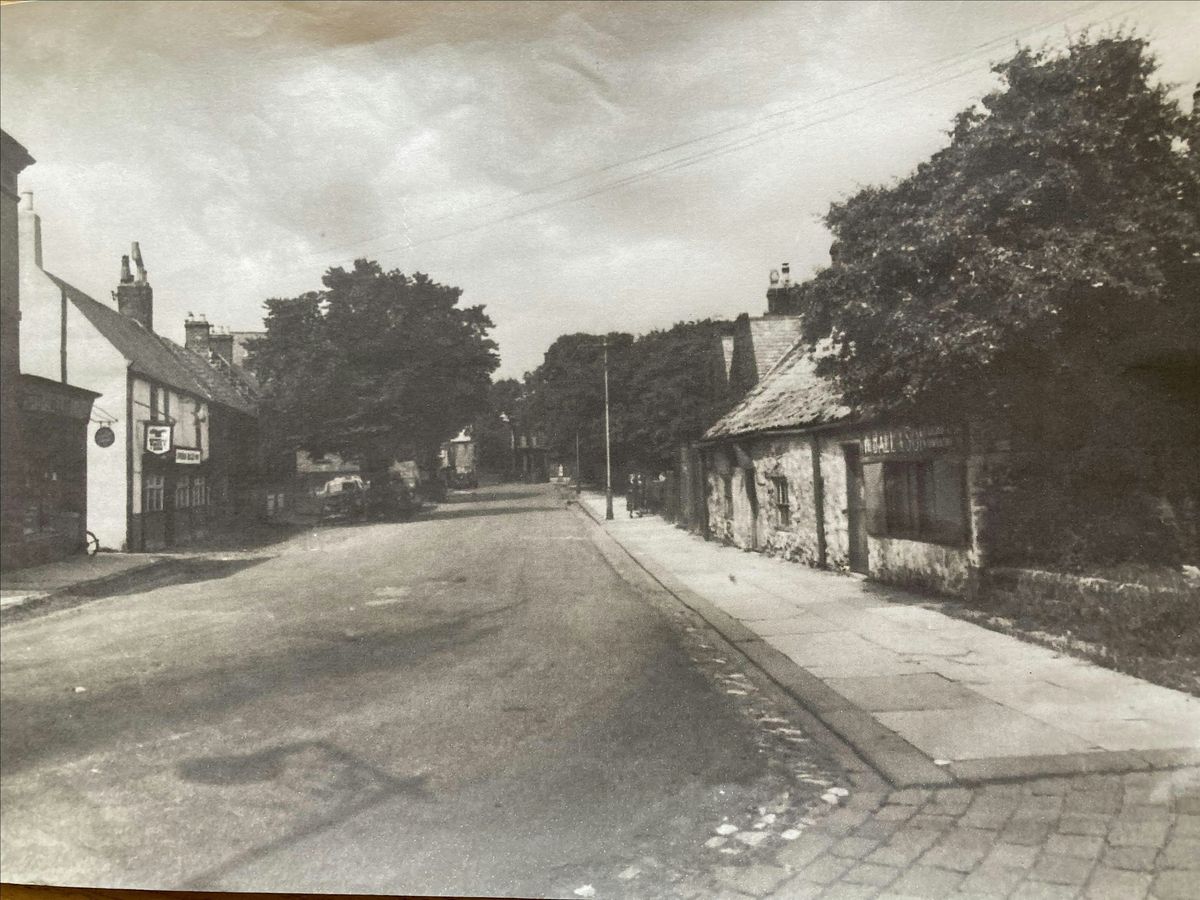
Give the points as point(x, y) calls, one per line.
point(389, 497)
point(343, 497)
point(462, 480)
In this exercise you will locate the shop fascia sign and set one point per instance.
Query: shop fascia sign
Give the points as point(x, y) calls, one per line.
point(909, 439)
point(187, 456)
point(158, 438)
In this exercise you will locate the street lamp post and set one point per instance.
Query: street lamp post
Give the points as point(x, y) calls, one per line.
point(608, 500)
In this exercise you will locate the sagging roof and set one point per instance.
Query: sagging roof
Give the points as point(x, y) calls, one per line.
point(790, 395)
point(163, 360)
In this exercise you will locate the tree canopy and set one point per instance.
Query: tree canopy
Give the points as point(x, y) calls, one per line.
point(377, 366)
point(1064, 211)
point(660, 387)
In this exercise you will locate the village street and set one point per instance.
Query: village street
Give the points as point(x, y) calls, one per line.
point(474, 702)
point(495, 699)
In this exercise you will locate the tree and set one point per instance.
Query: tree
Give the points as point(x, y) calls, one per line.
point(493, 429)
point(1065, 211)
point(1041, 274)
point(661, 394)
point(377, 366)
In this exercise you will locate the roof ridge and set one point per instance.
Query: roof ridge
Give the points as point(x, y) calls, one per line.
point(157, 356)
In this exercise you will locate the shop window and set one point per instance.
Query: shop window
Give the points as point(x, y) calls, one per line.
point(199, 491)
point(182, 488)
point(779, 495)
point(153, 489)
point(922, 500)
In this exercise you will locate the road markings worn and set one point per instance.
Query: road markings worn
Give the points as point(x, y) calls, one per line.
point(387, 595)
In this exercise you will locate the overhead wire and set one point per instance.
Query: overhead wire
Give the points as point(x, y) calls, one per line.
point(944, 63)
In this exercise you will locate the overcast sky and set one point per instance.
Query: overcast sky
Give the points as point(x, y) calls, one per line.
point(250, 146)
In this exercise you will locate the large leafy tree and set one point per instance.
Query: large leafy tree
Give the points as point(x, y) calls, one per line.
point(661, 389)
point(379, 365)
point(1062, 218)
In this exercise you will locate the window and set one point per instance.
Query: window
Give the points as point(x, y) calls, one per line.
point(153, 489)
point(727, 486)
point(921, 500)
point(154, 405)
point(779, 494)
point(181, 492)
point(199, 494)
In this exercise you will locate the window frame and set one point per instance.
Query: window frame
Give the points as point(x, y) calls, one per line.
point(183, 488)
point(781, 498)
point(907, 500)
point(154, 490)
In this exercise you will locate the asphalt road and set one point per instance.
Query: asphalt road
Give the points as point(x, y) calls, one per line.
point(485, 700)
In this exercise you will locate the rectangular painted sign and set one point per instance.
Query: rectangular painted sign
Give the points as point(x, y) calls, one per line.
point(187, 457)
point(158, 438)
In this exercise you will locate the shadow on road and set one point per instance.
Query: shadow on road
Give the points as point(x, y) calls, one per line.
point(355, 784)
point(37, 729)
point(493, 495)
point(171, 572)
point(443, 513)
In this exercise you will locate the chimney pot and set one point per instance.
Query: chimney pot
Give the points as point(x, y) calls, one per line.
point(135, 297)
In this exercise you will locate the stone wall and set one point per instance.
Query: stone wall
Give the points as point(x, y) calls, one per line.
point(933, 567)
point(940, 568)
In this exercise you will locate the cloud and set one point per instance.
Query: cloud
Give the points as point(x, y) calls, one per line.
point(250, 146)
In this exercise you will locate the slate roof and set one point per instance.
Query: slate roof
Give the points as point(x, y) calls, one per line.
point(771, 337)
point(790, 395)
point(163, 360)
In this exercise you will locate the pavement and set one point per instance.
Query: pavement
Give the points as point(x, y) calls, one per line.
point(928, 699)
point(19, 587)
point(501, 699)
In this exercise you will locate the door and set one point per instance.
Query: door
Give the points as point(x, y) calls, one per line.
point(856, 508)
point(752, 500)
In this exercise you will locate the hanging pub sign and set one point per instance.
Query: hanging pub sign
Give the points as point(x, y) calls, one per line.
point(158, 439)
point(104, 436)
point(187, 456)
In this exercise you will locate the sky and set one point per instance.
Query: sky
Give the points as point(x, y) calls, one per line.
point(571, 166)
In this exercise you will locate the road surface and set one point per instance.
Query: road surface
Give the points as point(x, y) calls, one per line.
point(485, 700)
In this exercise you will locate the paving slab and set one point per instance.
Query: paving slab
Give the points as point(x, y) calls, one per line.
point(925, 697)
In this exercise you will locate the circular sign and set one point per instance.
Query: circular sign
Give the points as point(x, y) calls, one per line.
point(105, 436)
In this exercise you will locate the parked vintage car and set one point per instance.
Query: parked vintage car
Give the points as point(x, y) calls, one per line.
point(390, 497)
point(343, 497)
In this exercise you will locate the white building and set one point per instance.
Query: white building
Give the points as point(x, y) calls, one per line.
point(140, 497)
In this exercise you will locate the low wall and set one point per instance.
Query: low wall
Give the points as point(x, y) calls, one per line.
point(1162, 621)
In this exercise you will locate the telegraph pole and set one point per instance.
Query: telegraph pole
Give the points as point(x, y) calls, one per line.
point(578, 471)
point(608, 504)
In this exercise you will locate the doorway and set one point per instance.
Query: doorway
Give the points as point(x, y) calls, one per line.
point(752, 500)
point(856, 509)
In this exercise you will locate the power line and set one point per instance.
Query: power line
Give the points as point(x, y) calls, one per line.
point(932, 66)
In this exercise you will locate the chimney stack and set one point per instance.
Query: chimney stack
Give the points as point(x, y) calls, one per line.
point(31, 230)
point(782, 295)
point(197, 333)
point(135, 297)
point(222, 345)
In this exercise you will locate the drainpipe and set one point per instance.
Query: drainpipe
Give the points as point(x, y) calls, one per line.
point(62, 337)
point(819, 501)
